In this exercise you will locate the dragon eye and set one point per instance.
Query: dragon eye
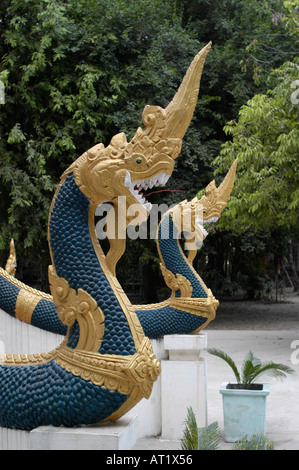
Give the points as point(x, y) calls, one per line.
point(138, 160)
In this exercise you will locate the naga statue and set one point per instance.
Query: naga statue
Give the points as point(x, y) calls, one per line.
point(105, 364)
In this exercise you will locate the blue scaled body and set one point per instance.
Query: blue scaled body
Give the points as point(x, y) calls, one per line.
point(46, 394)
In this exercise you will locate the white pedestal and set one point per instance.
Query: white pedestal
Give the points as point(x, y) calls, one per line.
point(20, 338)
point(121, 435)
point(183, 383)
point(149, 410)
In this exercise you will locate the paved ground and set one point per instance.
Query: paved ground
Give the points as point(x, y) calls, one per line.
point(271, 331)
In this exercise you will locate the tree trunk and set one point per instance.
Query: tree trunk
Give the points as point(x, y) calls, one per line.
point(294, 275)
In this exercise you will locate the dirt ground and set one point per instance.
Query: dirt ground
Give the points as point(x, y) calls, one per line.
point(256, 315)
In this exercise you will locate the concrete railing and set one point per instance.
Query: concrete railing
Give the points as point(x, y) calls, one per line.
point(182, 384)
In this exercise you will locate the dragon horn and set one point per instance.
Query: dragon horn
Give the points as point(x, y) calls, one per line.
point(222, 193)
point(170, 124)
point(180, 110)
point(225, 188)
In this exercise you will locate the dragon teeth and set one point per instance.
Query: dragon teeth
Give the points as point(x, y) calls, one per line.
point(212, 219)
point(199, 223)
point(159, 180)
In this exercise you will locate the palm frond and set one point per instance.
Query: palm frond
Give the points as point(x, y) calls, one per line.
point(250, 368)
point(194, 438)
point(251, 357)
point(190, 434)
point(209, 437)
point(253, 368)
point(272, 369)
point(227, 359)
point(255, 442)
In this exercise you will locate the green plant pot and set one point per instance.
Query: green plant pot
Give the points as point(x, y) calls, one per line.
point(244, 411)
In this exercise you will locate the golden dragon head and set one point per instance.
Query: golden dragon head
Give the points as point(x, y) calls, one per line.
point(215, 199)
point(120, 172)
point(127, 168)
point(191, 216)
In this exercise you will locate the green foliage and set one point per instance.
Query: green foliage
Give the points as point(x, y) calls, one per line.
point(190, 439)
point(75, 73)
point(252, 368)
point(206, 438)
point(78, 72)
point(250, 38)
point(266, 141)
point(256, 35)
point(254, 442)
point(209, 437)
point(291, 19)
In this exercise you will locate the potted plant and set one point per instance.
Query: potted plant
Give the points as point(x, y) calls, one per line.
point(244, 402)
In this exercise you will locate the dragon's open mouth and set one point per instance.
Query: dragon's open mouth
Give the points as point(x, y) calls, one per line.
point(137, 186)
point(200, 223)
